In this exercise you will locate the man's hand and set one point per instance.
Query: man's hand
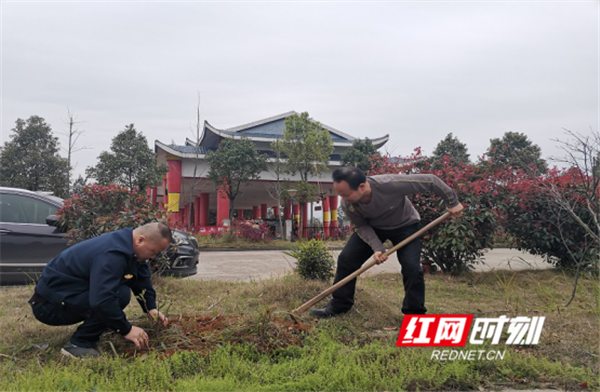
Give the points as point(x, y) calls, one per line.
point(155, 313)
point(138, 336)
point(380, 257)
point(456, 210)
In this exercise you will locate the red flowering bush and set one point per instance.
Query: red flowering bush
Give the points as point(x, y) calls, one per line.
point(98, 209)
point(548, 216)
point(456, 244)
point(252, 231)
point(340, 233)
point(101, 209)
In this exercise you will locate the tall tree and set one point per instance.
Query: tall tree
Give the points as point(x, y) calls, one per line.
point(517, 151)
point(234, 163)
point(30, 159)
point(453, 148)
point(73, 135)
point(131, 163)
point(306, 145)
point(359, 154)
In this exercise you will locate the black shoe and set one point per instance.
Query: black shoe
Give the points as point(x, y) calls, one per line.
point(325, 312)
point(73, 351)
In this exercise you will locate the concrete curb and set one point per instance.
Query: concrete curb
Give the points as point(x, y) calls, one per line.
point(252, 249)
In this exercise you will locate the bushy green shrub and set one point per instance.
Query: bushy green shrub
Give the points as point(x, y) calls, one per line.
point(313, 260)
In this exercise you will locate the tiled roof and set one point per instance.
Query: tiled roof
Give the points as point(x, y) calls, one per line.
point(189, 149)
point(273, 128)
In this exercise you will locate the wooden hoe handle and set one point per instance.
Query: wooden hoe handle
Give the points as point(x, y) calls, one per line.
point(368, 264)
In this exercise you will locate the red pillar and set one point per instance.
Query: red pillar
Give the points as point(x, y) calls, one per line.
point(333, 204)
point(255, 213)
point(197, 211)
point(203, 209)
point(276, 212)
point(326, 217)
point(263, 211)
point(296, 221)
point(305, 222)
point(174, 185)
point(287, 212)
point(240, 214)
point(222, 207)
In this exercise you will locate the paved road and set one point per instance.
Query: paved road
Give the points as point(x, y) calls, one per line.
point(258, 264)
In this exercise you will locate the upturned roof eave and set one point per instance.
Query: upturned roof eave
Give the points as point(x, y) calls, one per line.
point(169, 150)
point(379, 142)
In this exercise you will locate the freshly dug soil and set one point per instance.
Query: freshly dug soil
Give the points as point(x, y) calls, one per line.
point(205, 334)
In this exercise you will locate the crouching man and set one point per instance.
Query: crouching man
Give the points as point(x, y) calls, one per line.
point(92, 282)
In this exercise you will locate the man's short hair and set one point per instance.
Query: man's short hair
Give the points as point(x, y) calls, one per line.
point(165, 231)
point(157, 231)
point(352, 175)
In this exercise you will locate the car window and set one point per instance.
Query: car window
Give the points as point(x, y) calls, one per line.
point(23, 209)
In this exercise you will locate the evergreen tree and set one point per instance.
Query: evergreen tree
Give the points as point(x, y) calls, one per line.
point(359, 153)
point(453, 148)
point(30, 160)
point(306, 145)
point(517, 151)
point(131, 162)
point(78, 185)
point(234, 163)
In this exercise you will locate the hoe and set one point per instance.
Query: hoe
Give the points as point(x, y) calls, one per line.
point(368, 264)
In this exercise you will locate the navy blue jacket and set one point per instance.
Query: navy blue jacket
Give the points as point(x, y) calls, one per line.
point(88, 275)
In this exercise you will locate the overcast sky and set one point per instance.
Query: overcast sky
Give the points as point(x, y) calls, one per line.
point(414, 70)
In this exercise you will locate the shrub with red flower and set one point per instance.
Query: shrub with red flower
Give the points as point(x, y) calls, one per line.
point(252, 231)
point(100, 209)
point(554, 215)
point(456, 244)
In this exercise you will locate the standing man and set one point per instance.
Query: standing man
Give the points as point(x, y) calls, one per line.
point(92, 282)
point(379, 208)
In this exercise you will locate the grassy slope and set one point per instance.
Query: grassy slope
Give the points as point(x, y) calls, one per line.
point(353, 352)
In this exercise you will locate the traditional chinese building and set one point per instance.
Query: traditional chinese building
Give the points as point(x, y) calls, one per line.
point(190, 195)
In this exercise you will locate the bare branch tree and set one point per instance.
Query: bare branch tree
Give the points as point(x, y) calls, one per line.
point(73, 135)
point(582, 156)
point(583, 153)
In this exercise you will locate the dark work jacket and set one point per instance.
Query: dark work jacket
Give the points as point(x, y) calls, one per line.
point(88, 275)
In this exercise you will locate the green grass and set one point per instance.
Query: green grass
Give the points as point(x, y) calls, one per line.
point(355, 352)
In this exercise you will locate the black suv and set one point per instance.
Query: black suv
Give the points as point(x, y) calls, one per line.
point(28, 238)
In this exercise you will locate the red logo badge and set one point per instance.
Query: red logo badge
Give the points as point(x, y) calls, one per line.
point(448, 330)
